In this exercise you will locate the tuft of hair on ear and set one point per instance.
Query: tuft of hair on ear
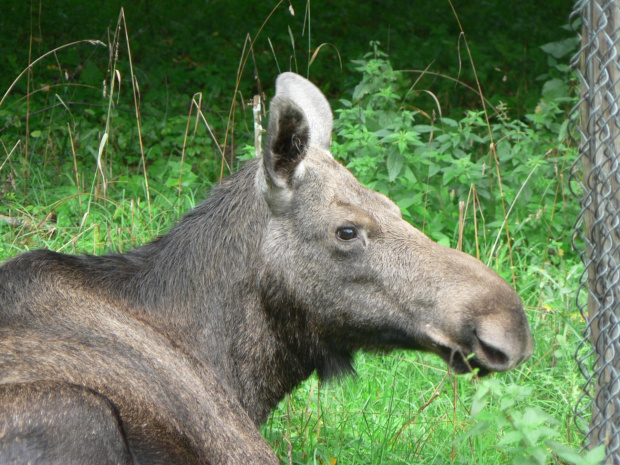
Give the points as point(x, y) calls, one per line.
point(288, 137)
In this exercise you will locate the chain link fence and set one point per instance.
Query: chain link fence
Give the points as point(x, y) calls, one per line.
point(596, 181)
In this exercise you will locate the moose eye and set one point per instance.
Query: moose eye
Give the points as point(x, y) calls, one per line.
point(346, 233)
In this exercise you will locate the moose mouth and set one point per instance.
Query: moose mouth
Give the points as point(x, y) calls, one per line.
point(483, 357)
point(461, 362)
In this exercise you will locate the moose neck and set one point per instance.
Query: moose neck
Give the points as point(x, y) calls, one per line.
point(201, 285)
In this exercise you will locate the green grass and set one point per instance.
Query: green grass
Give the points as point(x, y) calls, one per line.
point(61, 188)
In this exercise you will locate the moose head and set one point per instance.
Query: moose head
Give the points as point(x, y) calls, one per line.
point(342, 255)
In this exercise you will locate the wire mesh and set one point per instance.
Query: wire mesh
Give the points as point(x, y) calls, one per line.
point(596, 181)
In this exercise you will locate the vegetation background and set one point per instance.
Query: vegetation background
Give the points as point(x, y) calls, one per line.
point(115, 118)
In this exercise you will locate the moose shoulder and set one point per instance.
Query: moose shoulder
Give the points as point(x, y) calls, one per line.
point(177, 350)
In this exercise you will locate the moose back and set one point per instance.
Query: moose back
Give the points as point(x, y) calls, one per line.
point(176, 351)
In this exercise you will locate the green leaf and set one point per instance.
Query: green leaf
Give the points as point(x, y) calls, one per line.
point(409, 176)
point(476, 430)
point(596, 455)
point(539, 433)
point(504, 150)
point(395, 162)
point(561, 48)
point(521, 460)
point(540, 454)
point(478, 404)
point(507, 402)
point(554, 88)
point(567, 453)
point(422, 128)
point(510, 437)
point(535, 416)
point(384, 134)
point(449, 122)
point(449, 174)
point(360, 90)
point(405, 202)
point(563, 132)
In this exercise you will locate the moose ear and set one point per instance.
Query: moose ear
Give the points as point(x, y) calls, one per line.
point(314, 104)
point(299, 118)
point(287, 141)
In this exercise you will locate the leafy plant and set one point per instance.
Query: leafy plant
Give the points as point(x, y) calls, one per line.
point(428, 163)
point(527, 433)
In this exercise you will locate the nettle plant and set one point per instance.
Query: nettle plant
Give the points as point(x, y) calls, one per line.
point(429, 164)
point(528, 434)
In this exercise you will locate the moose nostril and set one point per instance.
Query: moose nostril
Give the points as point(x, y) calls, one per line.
point(495, 357)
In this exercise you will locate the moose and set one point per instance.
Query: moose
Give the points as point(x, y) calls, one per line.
point(177, 351)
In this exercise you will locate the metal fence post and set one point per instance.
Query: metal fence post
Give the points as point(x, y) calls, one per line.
point(596, 176)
